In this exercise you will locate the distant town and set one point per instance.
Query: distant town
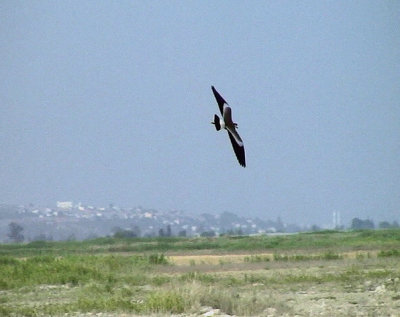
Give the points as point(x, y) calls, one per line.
point(69, 221)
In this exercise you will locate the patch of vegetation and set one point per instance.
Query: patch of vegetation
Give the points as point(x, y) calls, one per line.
point(72, 269)
point(389, 253)
point(163, 302)
point(200, 277)
point(157, 259)
point(328, 255)
point(257, 258)
point(232, 301)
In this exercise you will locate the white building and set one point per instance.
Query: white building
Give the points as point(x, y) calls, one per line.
point(65, 205)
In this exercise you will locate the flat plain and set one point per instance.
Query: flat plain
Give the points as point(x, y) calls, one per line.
point(327, 273)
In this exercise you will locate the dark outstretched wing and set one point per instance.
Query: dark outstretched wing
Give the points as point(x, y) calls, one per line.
point(221, 101)
point(238, 148)
point(236, 141)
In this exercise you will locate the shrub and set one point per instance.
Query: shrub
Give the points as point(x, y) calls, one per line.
point(257, 258)
point(330, 255)
point(389, 253)
point(157, 259)
point(8, 260)
point(163, 302)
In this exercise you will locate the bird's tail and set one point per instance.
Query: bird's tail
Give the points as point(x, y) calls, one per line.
point(217, 123)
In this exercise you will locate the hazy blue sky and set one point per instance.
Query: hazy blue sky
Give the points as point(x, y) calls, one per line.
point(110, 102)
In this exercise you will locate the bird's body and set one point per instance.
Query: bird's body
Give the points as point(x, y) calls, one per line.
point(227, 123)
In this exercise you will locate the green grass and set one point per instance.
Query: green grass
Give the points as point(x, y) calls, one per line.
point(389, 253)
point(135, 276)
point(328, 255)
point(354, 240)
point(74, 269)
point(257, 258)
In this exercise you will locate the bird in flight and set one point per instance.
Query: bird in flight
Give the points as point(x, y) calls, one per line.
point(227, 123)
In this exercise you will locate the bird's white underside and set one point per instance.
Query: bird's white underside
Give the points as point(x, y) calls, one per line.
point(228, 124)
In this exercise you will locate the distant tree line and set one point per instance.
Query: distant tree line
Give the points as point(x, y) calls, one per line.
point(118, 232)
point(359, 224)
point(387, 225)
point(356, 224)
point(15, 231)
point(135, 232)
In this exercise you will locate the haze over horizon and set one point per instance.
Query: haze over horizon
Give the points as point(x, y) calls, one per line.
point(110, 102)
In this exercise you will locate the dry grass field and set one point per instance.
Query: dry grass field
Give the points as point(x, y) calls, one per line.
point(355, 284)
point(353, 278)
